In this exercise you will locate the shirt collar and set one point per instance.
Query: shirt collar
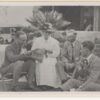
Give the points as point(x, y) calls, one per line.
point(89, 57)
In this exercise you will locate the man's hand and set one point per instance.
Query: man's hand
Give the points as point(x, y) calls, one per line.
point(70, 65)
point(24, 57)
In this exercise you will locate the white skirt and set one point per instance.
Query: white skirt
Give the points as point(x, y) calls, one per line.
point(46, 73)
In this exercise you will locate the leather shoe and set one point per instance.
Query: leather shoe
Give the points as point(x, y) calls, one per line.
point(34, 88)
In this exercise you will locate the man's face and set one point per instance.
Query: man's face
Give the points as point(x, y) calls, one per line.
point(22, 39)
point(72, 38)
point(84, 52)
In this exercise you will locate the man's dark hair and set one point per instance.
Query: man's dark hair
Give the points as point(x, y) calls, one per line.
point(88, 44)
point(19, 33)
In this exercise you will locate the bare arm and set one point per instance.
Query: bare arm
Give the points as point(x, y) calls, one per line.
point(11, 56)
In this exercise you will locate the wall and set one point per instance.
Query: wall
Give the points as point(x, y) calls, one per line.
point(87, 35)
point(6, 36)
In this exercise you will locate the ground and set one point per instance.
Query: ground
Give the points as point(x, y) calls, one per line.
point(6, 85)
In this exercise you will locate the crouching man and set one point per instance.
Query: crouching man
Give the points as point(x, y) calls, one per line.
point(16, 63)
point(88, 74)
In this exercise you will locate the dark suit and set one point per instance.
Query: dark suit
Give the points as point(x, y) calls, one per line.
point(92, 83)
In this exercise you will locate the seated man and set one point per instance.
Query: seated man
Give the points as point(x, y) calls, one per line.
point(87, 80)
point(69, 55)
point(16, 63)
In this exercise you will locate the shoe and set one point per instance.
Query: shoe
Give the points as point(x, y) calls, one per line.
point(34, 88)
point(57, 89)
point(65, 80)
point(15, 88)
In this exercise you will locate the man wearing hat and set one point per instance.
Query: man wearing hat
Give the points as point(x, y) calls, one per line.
point(46, 74)
point(69, 55)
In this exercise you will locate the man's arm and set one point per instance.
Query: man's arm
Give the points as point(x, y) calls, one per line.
point(12, 57)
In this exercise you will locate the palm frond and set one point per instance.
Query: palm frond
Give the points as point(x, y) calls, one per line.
point(55, 18)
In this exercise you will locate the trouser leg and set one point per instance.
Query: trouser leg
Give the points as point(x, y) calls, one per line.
point(61, 71)
point(18, 67)
point(7, 69)
point(31, 65)
point(71, 83)
point(91, 87)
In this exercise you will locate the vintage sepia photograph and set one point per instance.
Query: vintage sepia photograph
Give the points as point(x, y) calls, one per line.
point(49, 48)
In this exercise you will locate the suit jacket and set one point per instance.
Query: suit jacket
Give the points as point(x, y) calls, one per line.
point(94, 69)
point(81, 71)
point(70, 52)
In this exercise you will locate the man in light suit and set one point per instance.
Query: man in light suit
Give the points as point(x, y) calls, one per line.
point(69, 55)
point(92, 80)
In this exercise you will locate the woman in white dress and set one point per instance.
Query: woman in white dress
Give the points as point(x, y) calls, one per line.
point(46, 73)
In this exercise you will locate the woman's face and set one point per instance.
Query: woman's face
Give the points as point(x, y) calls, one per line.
point(46, 35)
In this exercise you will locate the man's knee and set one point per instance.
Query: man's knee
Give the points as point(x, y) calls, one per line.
point(18, 65)
point(68, 85)
point(69, 82)
point(30, 63)
point(73, 82)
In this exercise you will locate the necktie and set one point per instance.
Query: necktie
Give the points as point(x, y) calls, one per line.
point(85, 62)
point(72, 52)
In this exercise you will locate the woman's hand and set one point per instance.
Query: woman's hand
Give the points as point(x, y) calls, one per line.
point(49, 51)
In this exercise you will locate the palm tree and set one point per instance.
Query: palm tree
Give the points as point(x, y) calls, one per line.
point(55, 18)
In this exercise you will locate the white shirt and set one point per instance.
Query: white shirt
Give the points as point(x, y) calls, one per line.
point(50, 44)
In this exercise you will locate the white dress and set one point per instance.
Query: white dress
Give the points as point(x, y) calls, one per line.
point(46, 73)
